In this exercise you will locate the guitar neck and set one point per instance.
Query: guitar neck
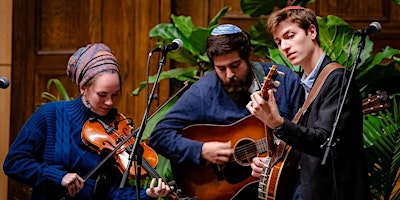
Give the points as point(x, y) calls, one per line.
point(261, 145)
point(266, 144)
point(268, 84)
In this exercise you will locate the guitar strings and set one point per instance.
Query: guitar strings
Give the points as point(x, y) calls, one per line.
point(248, 146)
point(246, 152)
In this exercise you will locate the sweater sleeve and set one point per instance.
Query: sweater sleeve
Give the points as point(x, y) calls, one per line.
point(167, 138)
point(24, 159)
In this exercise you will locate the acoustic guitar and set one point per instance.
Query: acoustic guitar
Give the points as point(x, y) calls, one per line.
point(210, 181)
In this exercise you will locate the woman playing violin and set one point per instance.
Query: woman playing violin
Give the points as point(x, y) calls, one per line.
point(48, 154)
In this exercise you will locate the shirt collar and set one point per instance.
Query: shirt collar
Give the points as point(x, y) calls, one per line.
point(307, 82)
point(254, 86)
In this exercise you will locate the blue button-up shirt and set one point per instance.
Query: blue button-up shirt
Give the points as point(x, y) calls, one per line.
point(308, 81)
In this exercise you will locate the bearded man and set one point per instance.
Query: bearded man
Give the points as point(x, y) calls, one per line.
point(219, 98)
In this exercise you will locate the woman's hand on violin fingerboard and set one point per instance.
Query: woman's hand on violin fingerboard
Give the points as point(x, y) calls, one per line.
point(73, 182)
point(161, 190)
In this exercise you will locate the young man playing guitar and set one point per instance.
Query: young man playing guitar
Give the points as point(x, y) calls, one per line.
point(200, 166)
point(344, 175)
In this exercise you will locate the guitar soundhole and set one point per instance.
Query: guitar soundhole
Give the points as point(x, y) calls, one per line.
point(245, 151)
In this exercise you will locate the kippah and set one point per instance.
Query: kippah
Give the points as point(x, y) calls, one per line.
point(293, 8)
point(226, 29)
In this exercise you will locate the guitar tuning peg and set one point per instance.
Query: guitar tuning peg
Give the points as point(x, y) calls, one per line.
point(274, 90)
point(276, 83)
point(280, 73)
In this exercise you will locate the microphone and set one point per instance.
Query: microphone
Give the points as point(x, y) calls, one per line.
point(4, 82)
point(374, 27)
point(175, 45)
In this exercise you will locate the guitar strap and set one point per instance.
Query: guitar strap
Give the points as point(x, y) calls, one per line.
point(258, 72)
point(316, 88)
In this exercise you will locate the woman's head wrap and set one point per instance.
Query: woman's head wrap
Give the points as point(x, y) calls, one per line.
point(89, 61)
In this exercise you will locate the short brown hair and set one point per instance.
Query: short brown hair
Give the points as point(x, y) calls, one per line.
point(304, 17)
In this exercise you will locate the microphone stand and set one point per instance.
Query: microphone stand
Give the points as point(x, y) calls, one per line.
point(329, 143)
point(136, 151)
point(357, 60)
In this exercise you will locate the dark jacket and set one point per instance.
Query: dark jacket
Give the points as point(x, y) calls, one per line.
point(315, 127)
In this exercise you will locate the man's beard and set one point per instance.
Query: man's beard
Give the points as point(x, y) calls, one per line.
point(238, 89)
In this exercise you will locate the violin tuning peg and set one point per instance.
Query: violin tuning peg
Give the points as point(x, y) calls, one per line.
point(276, 83)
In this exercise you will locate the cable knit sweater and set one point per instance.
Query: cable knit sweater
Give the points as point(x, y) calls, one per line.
point(49, 146)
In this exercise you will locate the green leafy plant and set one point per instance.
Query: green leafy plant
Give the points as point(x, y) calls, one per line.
point(382, 145)
point(193, 51)
point(61, 92)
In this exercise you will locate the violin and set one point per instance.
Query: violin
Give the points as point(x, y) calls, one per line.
point(99, 136)
point(102, 136)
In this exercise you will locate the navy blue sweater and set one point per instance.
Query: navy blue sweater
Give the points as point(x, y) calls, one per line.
point(206, 102)
point(49, 146)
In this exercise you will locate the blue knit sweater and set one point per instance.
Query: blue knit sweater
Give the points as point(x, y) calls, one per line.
point(207, 102)
point(49, 146)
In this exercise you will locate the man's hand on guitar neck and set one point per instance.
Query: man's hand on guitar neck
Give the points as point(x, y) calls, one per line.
point(217, 152)
point(257, 166)
point(265, 110)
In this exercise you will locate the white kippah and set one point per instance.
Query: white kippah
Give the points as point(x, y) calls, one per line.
point(226, 29)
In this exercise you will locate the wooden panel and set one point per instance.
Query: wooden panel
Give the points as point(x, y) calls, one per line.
point(129, 39)
point(360, 13)
point(64, 26)
point(353, 10)
point(192, 8)
point(20, 94)
point(234, 15)
point(5, 94)
point(5, 36)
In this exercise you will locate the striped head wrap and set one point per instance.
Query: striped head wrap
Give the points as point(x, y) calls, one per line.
point(89, 61)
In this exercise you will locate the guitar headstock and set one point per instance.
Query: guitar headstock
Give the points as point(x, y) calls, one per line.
point(270, 81)
point(376, 102)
